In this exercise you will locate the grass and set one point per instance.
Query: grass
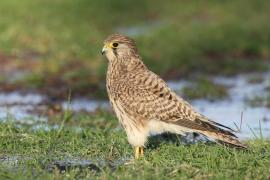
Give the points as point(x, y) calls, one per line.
point(30, 153)
point(204, 88)
point(57, 43)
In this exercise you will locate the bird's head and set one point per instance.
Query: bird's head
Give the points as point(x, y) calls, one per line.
point(119, 46)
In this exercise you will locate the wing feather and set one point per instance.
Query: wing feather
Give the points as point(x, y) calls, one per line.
point(149, 97)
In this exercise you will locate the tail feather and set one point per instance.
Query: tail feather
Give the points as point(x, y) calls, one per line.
point(224, 139)
point(218, 132)
point(220, 135)
point(230, 145)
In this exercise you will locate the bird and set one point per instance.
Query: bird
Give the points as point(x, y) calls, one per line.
point(145, 105)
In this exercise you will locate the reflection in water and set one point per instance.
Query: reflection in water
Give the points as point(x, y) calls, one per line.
point(226, 111)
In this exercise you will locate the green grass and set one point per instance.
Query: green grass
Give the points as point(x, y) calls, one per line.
point(58, 42)
point(204, 88)
point(34, 152)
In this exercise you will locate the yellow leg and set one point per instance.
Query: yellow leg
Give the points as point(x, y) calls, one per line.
point(138, 152)
point(141, 151)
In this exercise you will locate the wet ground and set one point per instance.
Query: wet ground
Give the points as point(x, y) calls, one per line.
point(255, 120)
point(32, 109)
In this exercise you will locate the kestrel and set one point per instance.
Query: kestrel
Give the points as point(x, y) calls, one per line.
point(145, 105)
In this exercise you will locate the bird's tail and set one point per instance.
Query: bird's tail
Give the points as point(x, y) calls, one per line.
point(220, 133)
point(225, 139)
point(213, 130)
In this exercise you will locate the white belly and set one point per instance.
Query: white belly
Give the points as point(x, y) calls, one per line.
point(136, 133)
point(158, 127)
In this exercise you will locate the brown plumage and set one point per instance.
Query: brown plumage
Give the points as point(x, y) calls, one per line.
point(145, 105)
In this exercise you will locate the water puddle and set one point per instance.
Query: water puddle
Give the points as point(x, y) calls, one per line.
point(15, 162)
point(96, 165)
point(68, 164)
point(9, 161)
point(255, 121)
point(88, 105)
point(16, 106)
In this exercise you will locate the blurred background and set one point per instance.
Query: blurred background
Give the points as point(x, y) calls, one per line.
point(214, 53)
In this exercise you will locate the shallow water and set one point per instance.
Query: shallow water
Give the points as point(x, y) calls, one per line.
point(255, 122)
point(16, 106)
point(68, 164)
point(81, 104)
point(65, 164)
point(9, 161)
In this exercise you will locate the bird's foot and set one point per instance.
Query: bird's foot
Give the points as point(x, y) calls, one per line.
point(138, 152)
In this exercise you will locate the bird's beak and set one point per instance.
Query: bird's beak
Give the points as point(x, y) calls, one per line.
point(104, 49)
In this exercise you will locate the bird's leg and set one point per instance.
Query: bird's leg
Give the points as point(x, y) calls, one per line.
point(138, 152)
point(141, 151)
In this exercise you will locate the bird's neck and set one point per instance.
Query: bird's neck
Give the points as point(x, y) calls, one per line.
point(121, 69)
point(125, 65)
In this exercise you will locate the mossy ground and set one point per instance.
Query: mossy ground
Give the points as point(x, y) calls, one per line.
point(27, 153)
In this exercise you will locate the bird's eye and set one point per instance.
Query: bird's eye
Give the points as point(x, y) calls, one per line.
point(115, 45)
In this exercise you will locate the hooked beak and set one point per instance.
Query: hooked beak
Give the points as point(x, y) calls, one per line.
point(104, 49)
